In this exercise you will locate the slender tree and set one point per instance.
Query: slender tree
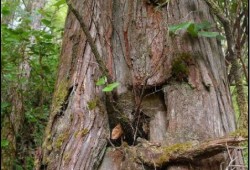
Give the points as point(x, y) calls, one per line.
point(173, 88)
point(13, 121)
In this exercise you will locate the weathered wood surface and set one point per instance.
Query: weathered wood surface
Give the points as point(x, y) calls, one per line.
point(150, 155)
point(133, 39)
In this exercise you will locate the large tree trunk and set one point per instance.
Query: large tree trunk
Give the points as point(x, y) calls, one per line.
point(178, 106)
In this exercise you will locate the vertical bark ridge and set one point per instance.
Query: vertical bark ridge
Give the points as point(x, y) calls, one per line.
point(77, 146)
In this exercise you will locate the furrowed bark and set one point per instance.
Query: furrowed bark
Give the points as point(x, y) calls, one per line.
point(172, 107)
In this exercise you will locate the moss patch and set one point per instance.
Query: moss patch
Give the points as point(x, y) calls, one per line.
point(66, 157)
point(59, 96)
point(180, 66)
point(49, 147)
point(170, 150)
point(240, 132)
point(92, 104)
point(61, 138)
point(81, 133)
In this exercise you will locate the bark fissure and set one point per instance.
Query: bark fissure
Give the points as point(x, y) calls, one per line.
point(99, 60)
point(222, 112)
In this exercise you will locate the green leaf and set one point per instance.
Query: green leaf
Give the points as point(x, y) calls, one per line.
point(110, 87)
point(220, 37)
point(45, 13)
point(60, 2)
point(4, 105)
point(6, 10)
point(234, 7)
point(14, 39)
point(174, 28)
point(208, 34)
point(30, 116)
point(4, 108)
point(101, 81)
point(46, 22)
point(193, 30)
point(18, 167)
point(203, 26)
point(48, 36)
point(4, 143)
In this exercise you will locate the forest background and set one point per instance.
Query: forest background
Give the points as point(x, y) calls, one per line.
point(31, 37)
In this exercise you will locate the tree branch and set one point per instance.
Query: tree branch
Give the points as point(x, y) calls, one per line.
point(90, 40)
point(226, 24)
point(115, 114)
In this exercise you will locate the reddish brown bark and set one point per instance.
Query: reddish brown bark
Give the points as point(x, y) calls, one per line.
point(132, 38)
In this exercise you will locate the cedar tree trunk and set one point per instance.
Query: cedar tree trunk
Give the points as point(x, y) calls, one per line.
point(173, 89)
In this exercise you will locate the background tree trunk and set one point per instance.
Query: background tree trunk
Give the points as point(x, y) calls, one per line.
point(14, 120)
point(178, 106)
